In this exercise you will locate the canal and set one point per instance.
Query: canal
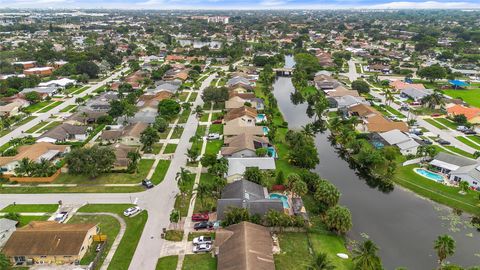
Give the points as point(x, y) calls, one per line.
point(401, 223)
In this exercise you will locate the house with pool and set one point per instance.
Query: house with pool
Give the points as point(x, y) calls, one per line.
point(456, 169)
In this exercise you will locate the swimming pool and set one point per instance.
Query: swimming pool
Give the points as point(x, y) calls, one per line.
point(271, 152)
point(283, 198)
point(265, 130)
point(261, 117)
point(430, 175)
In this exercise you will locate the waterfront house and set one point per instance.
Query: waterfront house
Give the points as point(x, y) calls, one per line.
point(458, 168)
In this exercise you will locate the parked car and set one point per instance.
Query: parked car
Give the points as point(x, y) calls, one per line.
point(213, 136)
point(415, 103)
point(461, 128)
point(131, 211)
point(393, 118)
point(427, 141)
point(218, 121)
point(416, 131)
point(435, 114)
point(202, 248)
point(443, 142)
point(203, 225)
point(61, 217)
point(202, 240)
point(147, 183)
point(469, 132)
point(200, 217)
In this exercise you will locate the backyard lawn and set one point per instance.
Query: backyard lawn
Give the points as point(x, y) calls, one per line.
point(160, 171)
point(167, 263)
point(126, 249)
point(294, 252)
point(144, 166)
point(108, 225)
point(470, 95)
point(436, 191)
point(199, 262)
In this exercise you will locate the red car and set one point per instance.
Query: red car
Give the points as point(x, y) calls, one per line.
point(435, 114)
point(200, 217)
point(218, 121)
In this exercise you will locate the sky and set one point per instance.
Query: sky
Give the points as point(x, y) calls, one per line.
point(243, 4)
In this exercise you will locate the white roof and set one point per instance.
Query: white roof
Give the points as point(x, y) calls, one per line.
point(239, 165)
point(39, 69)
point(60, 82)
point(444, 165)
point(48, 155)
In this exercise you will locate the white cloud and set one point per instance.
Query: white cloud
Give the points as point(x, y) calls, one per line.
point(272, 3)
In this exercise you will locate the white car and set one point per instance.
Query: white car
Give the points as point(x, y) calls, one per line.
point(131, 211)
point(61, 217)
point(202, 248)
point(213, 136)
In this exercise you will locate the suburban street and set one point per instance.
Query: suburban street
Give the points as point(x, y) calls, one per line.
point(18, 132)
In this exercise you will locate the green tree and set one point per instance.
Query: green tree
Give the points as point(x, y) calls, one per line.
point(90, 161)
point(203, 191)
point(32, 97)
point(168, 108)
point(303, 152)
point(361, 86)
point(253, 174)
point(208, 160)
point(433, 100)
point(12, 216)
point(299, 188)
point(322, 262)
point(89, 68)
point(175, 217)
point(366, 258)
point(193, 154)
point(184, 180)
point(444, 246)
point(215, 95)
point(160, 124)
point(149, 137)
point(327, 194)
point(432, 73)
point(234, 215)
point(133, 157)
point(338, 219)
point(4, 262)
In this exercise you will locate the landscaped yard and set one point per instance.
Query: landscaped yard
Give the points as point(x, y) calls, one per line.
point(294, 252)
point(216, 128)
point(167, 263)
point(199, 262)
point(182, 203)
point(25, 219)
point(205, 204)
point(37, 106)
point(68, 108)
point(177, 133)
point(458, 151)
point(436, 191)
point(447, 123)
point(108, 225)
point(126, 249)
point(144, 166)
point(213, 146)
point(37, 127)
point(156, 148)
point(468, 142)
point(470, 95)
point(160, 171)
point(174, 235)
point(434, 123)
point(51, 106)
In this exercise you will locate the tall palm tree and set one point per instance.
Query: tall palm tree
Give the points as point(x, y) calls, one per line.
point(25, 167)
point(366, 258)
point(203, 191)
point(445, 246)
point(183, 179)
point(321, 262)
point(433, 100)
point(389, 98)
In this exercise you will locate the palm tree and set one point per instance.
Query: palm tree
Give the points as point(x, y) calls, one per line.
point(203, 191)
point(366, 258)
point(433, 100)
point(321, 262)
point(43, 169)
point(464, 187)
point(183, 179)
point(388, 96)
point(134, 157)
point(25, 167)
point(445, 246)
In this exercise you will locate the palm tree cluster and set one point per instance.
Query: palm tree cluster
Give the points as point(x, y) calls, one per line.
point(272, 218)
point(433, 100)
point(27, 167)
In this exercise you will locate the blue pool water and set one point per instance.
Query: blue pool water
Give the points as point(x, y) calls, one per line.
point(430, 175)
point(261, 117)
point(283, 198)
point(271, 152)
point(265, 130)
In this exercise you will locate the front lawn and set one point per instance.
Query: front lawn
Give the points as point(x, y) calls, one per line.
point(438, 192)
point(167, 263)
point(50, 126)
point(177, 133)
point(37, 106)
point(108, 225)
point(160, 171)
point(144, 166)
point(447, 123)
point(51, 106)
point(458, 151)
point(216, 128)
point(213, 147)
point(435, 123)
point(36, 127)
point(468, 142)
point(294, 252)
point(199, 262)
point(174, 235)
point(30, 208)
point(207, 203)
point(182, 203)
point(126, 249)
point(170, 148)
point(24, 220)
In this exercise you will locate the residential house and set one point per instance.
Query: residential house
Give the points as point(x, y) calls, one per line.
point(50, 242)
point(238, 166)
point(151, 99)
point(43, 91)
point(239, 80)
point(84, 117)
point(101, 103)
point(60, 83)
point(12, 108)
point(25, 64)
point(395, 137)
point(132, 132)
point(121, 156)
point(238, 127)
point(373, 120)
point(471, 113)
point(240, 88)
point(247, 195)
point(64, 132)
point(237, 102)
point(415, 93)
point(457, 168)
point(385, 69)
point(399, 85)
point(7, 227)
point(35, 152)
point(246, 115)
point(39, 71)
point(243, 145)
point(244, 246)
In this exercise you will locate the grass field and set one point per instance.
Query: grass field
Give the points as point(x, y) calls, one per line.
point(199, 262)
point(37, 127)
point(31, 208)
point(470, 95)
point(458, 151)
point(68, 108)
point(123, 256)
point(160, 171)
point(174, 235)
point(170, 148)
point(182, 203)
point(51, 106)
point(436, 191)
point(468, 142)
point(167, 263)
point(177, 133)
point(447, 123)
point(144, 166)
point(434, 123)
point(213, 146)
point(25, 219)
point(37, 106)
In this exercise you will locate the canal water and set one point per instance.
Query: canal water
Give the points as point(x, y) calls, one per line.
point(401, 223)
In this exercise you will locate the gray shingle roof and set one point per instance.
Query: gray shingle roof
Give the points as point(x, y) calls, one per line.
point(454, 159)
